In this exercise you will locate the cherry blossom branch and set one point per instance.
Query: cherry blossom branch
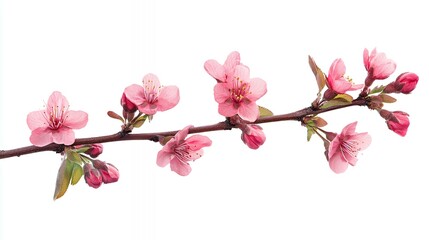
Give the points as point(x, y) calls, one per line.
point(226, 125)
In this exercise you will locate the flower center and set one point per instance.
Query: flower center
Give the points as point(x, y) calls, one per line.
point(151, 91)
point(239, 89)
point(56, 116)
point(350, 148)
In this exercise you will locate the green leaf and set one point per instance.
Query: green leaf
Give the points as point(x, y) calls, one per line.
point(264, 112)
point(77, 173)
point(63, 178)
point(310, 132)
point(115, 116)
point(334, 102)
point(320, 76)
point(139, 121)
point(377, 89)
point(345, 97)
point(74, 157)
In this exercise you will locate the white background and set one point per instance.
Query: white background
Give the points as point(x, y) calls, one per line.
point(91, 50)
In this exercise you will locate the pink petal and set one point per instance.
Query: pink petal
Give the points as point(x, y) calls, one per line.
point(221, 92)
point(366, 62)
point(363, 140)
point(135, 93)
point(76, 119)
point(181, 135)
point(227, 109)
point(248, 111)
point(147, 108)
point(194, 155)
point(196, 142)
point(242, 72)
point(63, 136)
point(163, 158)
point(36, 120)
point(231, 61)
point(181, 168)
point(356, 87)
point(41, 137)
point(168, 98)
point(57, 100)
point(340, 85)
point(151, 82)
point(337, 164)
point(258, 88)
point(215, 70)
point(349, 129)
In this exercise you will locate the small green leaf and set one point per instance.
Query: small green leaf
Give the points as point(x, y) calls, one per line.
point(264, 112)
point(139, 121)
point(320, 76)
point(77, 173)
point(63, 178)
point(377, 89)
point(334, 102)
point(344, 96)
point(115, 116)
point(310, 132)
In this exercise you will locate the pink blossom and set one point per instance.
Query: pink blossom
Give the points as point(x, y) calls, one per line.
point(239, 94)
point(178, 151)
point(253, 136)
point(151, 97)
point(92, 176)
point(399, 123)
point(55, 123)
point(109, 173)
point(404, 83)
point(222, 72)
point(345, 146)
point(336, 81)
point(377, 65)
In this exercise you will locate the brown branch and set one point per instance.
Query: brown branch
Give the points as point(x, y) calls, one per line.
point(298, 116)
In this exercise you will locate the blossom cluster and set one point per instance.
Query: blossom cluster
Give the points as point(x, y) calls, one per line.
point(236, 94)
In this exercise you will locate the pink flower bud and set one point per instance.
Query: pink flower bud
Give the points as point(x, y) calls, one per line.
point(95, 150)
point(127, 105)
point(92, 176)
point(406, 82)
point(253, 136)
point(109, 173)
point(399, 123)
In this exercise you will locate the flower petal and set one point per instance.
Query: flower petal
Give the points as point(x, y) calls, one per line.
point(168, 98)
point(41, 137)
point(57, 101)
point(63, 136)
point(221, 92)
point(231, 61)
point(181, 168)
point(76, 119)
point(227, 109)
point(163, 158)
point(214, 69)
point(151, 82)
point(337, 164)
point(196, 142)
point(36, 120)
point(258, 88)
point(135, 93)
point(181, 135)
point(248, 111)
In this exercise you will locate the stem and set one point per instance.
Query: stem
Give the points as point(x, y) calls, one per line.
point(298, 115)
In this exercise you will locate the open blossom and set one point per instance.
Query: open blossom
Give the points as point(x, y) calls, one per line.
point(178, 151)
point(336, 81)
point(239, 94)
point(399, 123)
point(377, 65)
point(222, 72)
point(253, 136)
point(152, 97)
point(344, 148)
point(404, 83)
point(56, 122)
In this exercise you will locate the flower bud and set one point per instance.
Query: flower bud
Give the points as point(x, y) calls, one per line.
point(399, 123)
point(404, 83)
point(109, 173)
point(253, 136)
point(92, 175)
point(94, 150)
point(127, 105)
